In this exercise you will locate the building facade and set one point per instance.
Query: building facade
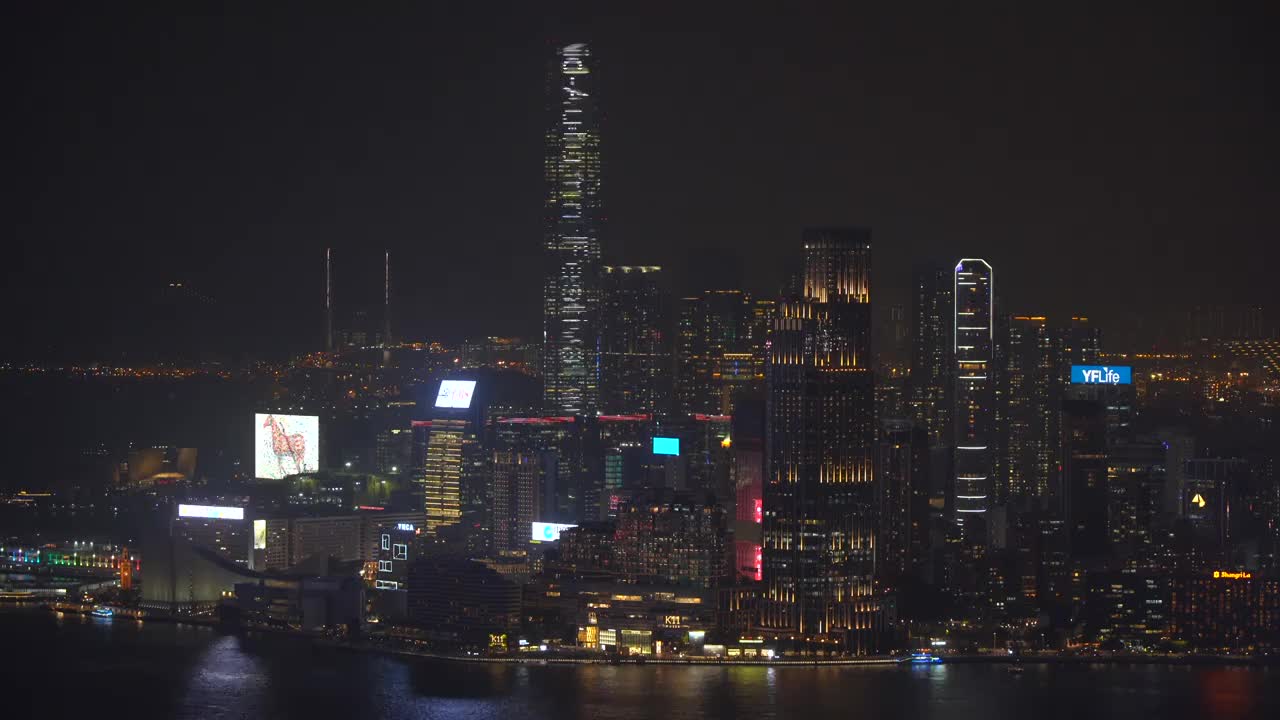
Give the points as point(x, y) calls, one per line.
point(974, 440)
point(820, 504)
point(571, 236)
point(634, 362)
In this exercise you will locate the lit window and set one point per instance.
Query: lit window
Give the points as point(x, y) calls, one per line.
point(386, 542)
point(384, 566)
point(401, 552)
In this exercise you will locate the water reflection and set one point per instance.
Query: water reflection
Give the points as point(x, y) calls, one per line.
point(162, 670)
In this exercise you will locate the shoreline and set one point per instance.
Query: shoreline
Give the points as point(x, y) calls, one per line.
point(364, 645)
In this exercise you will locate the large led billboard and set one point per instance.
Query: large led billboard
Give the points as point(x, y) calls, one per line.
point(666, 446)
point(285, 445)
point(548, 532)
point(214, 512)
point(455, 393)
point(259, 534)
point(1101, 375)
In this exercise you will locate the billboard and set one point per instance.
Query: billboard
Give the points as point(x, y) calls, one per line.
point(259, 534)
point(455, 393)
point(666, 446)
point(215, 512)
point(285, 445)
point(1101, 375)
point(547, 532)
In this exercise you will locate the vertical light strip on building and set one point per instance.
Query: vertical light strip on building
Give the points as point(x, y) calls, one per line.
point(974, 334)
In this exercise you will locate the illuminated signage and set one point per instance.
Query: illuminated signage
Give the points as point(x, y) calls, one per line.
point(285, 445)
point(548, 532)
point(1232, 575)
point(666, 446)
point(455, 393)
point(1198, 501)
point(405, 526)
point(211, 511)
point(259, 534)
point(1101, 375)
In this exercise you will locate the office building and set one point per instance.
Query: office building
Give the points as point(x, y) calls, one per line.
point(515, 499)
point(570, 371)
point(903, 508)
point(667, 537)
point(930, 388)
point(451, 443)
point(1028, 443)
point(634, 362)
point(974, 413)
point(719, 350)
point(820, 501)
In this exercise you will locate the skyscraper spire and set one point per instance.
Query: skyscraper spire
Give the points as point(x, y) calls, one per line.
point(328, 299)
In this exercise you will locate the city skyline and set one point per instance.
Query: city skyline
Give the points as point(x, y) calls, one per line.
point(927, 201)
point(840, 342)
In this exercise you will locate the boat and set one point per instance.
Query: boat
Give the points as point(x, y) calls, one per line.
point(1015, 669)
point(102, 611)
point(921, 658)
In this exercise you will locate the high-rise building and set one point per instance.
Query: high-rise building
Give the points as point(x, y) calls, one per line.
point(668, 537)
point(1084, 477)
point(974, 414)
point(719, 349)
point(572, 236)
point(1028, 444)
point(930, 388)
point(442, 474)
point(515, 499)
point(634, 362)
point(450, 453)
point(903, 465)
point(820, 499)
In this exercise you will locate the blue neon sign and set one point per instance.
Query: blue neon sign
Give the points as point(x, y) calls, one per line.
point(1101, 375)
point(666, 446)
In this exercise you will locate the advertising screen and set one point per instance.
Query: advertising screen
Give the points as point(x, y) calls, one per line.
point(259, 534)
point(455, 393)
point(285, 445)
point(214, 512)
point(548, 532)
point(666, 446)
point(1101, 375)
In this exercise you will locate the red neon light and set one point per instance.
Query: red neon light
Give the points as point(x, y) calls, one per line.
point(759, 512)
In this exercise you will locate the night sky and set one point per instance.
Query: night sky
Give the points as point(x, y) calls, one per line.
point(1116, 165)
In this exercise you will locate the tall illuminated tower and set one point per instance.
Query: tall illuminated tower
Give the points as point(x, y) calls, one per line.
point(570, 355)
point(974, 416)
point(820, 503)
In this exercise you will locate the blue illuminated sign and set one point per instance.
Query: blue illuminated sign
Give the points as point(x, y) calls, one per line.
point(666, 446)
point(1101, 375)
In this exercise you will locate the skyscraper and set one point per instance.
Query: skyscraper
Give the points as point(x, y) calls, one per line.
point(515, 499)
point(974, 418)
point(634, 362)
point(719, 349)
point(572, 237)
point(930, 388)
point(819, 488)
point(1028, 433)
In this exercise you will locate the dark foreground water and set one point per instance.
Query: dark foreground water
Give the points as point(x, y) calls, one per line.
point(82, 667)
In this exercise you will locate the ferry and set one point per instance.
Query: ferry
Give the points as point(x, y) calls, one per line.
point(921, 658)
point(102, 611)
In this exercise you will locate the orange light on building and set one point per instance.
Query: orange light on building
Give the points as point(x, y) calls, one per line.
point(126, 569)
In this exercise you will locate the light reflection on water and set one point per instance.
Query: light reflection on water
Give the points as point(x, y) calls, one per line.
point(156, 670)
